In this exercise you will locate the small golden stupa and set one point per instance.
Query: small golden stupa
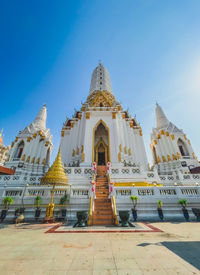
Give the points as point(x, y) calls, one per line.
point(55, 176)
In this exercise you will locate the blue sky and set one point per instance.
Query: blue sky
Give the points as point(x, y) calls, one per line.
point(151, 48)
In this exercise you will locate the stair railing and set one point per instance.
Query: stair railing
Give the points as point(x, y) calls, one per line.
point(92, 197)
point(112, 197)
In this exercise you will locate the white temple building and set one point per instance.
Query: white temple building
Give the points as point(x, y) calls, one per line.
point(104, 157)
point(4, 150)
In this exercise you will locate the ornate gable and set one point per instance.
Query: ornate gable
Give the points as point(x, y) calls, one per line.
point(101, 99)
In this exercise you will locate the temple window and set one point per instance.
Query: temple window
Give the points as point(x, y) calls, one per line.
point(19, 150)
point(182, 147)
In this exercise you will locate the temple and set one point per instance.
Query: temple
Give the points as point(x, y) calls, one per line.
point(105, 162)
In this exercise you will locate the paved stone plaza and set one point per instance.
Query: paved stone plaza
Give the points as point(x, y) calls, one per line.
point(27, 249)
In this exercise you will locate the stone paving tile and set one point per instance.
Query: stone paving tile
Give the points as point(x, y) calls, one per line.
point(82, 264)
point(77, 272)
point(105, 272)
point(129, 272)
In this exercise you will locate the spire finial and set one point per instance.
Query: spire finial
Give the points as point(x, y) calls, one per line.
point(40, 120)
point(161, 118)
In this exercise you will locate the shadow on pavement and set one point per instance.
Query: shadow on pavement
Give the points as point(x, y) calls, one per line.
point(188, 251)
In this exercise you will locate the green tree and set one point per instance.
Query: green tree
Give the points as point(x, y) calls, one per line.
point(183, 203)
point(38, 201)
point(134, 200)
point(159, 204)
point(7, 201)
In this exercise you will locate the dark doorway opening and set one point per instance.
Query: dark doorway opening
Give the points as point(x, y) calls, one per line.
point(101, 158)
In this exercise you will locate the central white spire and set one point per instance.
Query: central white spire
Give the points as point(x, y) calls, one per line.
point(40, 120)
point(161, 119)
point(100, 80)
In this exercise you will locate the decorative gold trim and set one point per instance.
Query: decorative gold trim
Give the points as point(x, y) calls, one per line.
point(119, 108)
point(34, 135)
point(73, 153)
point(168, 158)
point(131, 124)
point(119, 157)
point(158, 136)
point(23, 158)
point(129, 151)
point(47, 143)
point(82, 148)
point(174, 157)
point(44, 161)
point(114, 115)
point(158, 159)
point(155, 141)
point(28, 159)
point(136, 184)
point(87, 115)
point(77, 151)
point(178, 155)
point(38, 161)
point(33, 160)
point(172, 137)
point(162, 132)
point(123, 115)
point(82, 157)
point(79, 115)
point(62, 133)
point(163, 158)
point(185, 137)
point(120, 148)
point(28, 139)
point(167, 134)
point(40, 133)
point(12, 144)
point(125, 150)
point(16, 139)
point(140, 132)
point(72, 124)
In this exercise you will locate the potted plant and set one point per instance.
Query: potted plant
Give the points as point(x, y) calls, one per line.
point(159, 208)
point(124, 216)
point(63, 201)
point(183, 203)
point(7, 201)
point(134, 200)
point(38, 209)
point(196, 212)
point(82, 217)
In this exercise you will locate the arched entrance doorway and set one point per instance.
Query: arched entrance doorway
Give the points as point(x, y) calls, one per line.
point(101, 154)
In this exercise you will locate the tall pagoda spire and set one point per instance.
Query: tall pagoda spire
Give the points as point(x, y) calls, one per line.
point(40, 120)
point(100, 80)
point(161, 119)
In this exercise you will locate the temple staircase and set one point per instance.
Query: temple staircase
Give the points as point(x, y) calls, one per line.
point(103, 214)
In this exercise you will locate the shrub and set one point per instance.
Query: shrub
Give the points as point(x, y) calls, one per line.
point(183, 202)
point(134, 200)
